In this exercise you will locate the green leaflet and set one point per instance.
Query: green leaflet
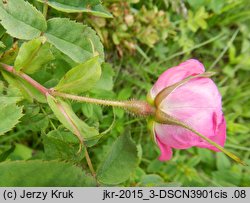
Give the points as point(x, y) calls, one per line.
point(75, 6)
point(74, 3)
point(33, 55)
point(10, 113)
point(6, 100)
point(119, 163)
point(35, 123)
point(69, 119)
point(81, 78)
point(77, 41)
point(38, 173)
point(21, 19)
point(9, 117)
point(9, 95)
point(63, 145)
point(106, 80)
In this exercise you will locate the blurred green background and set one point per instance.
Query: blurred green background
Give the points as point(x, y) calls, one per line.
point(142, 40)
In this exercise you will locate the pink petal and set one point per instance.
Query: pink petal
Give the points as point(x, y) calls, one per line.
point(198, 93)
point(195, 103)
point(219, 138)
point(181, 138)
point(176, 74)
point(175, 136)
point(198, 104)
point(166, 151)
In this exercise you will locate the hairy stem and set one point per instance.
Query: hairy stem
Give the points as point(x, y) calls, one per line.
point(120, 104)
point(139, 108)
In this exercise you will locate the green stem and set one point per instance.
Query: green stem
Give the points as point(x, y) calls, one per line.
point(120, 104)
point(45, 8)
point(89, 162)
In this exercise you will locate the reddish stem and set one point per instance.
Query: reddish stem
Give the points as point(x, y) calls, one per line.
point(34, 83)
point(139, 108)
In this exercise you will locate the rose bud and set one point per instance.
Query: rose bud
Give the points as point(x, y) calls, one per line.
point(188, 110)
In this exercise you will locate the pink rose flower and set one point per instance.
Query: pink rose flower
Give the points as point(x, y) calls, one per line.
point(196, 103)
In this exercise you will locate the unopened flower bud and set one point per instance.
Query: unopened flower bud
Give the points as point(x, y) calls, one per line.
point(187, 104)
